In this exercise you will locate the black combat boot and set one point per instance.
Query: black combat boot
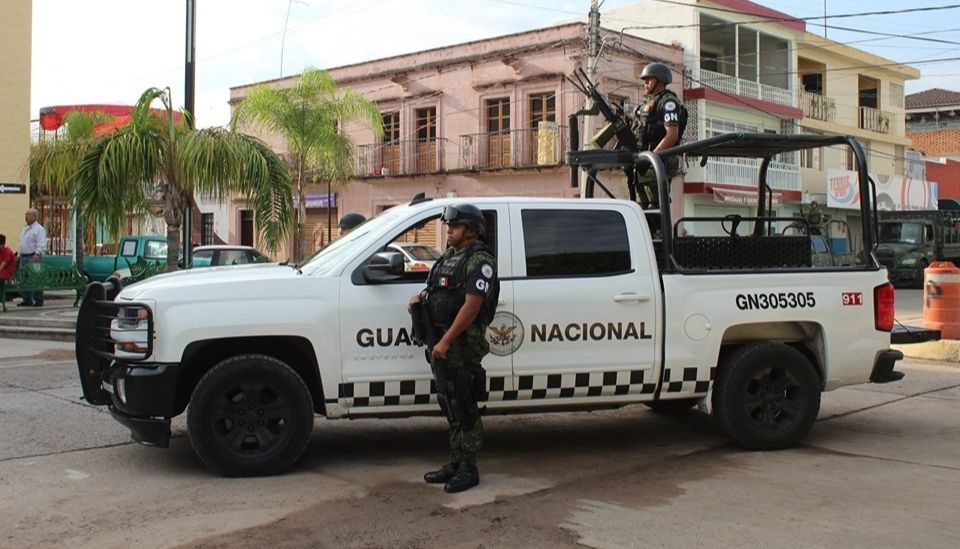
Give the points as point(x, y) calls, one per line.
point(442, 475)
point(467, 477)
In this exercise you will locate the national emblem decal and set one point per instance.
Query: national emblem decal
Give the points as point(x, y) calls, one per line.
point(487, 270)
point(505, 334)
point(669, 106)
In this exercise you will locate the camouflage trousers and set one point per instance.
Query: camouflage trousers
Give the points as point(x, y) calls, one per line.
point(648, 194)
point(464, 355)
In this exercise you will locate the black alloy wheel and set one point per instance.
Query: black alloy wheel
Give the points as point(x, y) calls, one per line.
point(250, 415)
point(767, 396)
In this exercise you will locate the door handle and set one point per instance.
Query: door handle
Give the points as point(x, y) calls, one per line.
point(629, 296)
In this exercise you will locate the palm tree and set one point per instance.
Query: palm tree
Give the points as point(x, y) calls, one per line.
point(309, 115)
point(53, 163)
point(155, 156)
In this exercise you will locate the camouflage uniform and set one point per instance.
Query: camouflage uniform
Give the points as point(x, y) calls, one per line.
point(475, 275)
point(661, 110)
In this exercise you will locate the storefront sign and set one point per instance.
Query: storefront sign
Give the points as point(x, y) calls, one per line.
point(321, 200)
point(894, 192)
point(743, 198)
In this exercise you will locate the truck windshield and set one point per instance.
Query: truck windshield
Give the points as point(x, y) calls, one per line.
point(901, 233)
point(347, 246)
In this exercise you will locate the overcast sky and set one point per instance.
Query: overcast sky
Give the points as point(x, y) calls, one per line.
point(109, 51)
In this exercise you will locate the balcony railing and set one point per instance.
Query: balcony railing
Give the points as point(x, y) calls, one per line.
point(746, 88)
point(874, 120)
point(745, 171)
point(513, 149)
point(817, 106)
point(409, 157)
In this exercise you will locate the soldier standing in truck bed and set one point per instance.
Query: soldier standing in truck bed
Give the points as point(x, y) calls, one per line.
point(663, 118)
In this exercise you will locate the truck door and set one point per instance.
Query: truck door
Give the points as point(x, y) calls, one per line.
point(587, 296)
point(381, 366)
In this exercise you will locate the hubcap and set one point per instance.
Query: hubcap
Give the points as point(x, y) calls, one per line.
point(251, 418)
point(774, 399)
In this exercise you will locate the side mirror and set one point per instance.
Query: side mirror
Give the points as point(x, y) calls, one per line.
point(383, 267)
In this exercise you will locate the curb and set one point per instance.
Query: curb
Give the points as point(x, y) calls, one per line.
point(945, 350)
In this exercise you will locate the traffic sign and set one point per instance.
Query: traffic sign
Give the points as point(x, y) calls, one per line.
point(12, 188)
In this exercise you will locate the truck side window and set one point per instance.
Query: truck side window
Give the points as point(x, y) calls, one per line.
point(575, 243)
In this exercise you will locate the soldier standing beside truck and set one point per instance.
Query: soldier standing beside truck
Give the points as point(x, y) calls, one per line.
point(461, 297)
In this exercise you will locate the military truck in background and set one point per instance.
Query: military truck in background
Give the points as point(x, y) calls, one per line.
point(909, 241)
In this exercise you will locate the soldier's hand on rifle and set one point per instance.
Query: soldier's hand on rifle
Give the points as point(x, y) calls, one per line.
point(440, 350)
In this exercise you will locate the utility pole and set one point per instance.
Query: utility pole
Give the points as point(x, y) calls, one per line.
point(189, 79)
point(593, 52)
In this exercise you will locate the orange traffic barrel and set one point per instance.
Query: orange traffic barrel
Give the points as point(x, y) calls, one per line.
point(941, 299)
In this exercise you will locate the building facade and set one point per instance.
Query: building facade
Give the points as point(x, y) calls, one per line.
point(15, 46)
point(484, 118)
point(752, 69)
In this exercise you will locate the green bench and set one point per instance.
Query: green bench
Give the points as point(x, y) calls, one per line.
point(36, 277)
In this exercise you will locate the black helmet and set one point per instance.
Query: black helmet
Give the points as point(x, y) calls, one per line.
point(659, 71)
point(351, 220)
point(464, 214)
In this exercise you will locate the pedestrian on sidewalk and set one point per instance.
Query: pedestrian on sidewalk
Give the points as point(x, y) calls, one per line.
point(33, 244)
point(8, 261)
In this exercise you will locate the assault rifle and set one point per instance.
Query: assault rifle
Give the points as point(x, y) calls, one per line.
point(618, 125)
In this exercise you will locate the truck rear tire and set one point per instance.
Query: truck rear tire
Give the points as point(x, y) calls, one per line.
point(250, 415)
point(767, 396)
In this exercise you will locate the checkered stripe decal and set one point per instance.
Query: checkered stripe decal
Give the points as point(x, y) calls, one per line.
point(688, 380)
point(529, 387)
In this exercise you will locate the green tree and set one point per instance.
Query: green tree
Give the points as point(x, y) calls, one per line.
point(53, 163)
point(156, 156)
point(309, 116)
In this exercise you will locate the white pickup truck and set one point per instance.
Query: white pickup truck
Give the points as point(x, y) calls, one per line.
point(594, 312)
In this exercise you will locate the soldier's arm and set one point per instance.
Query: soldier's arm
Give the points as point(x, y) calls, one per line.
point(669, 140)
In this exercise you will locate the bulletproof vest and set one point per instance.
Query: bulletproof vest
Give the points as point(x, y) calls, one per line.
point(654, 129)
point(445, 295)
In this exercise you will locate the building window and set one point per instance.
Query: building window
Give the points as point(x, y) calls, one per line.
point(391, 128)
point(427, 124)
point(206, 225)
point(543, 108)
point(717, 126)
point(498, 115)
point(246, 227)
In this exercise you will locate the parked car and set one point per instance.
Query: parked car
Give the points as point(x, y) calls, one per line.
point(130, 250)
point(224, 254)
point(210, 256)
point(416, 257)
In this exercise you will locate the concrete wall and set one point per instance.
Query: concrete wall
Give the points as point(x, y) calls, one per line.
point(15, 33)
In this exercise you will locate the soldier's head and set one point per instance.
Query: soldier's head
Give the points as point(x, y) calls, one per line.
point(464, 224)
point(349, 221)
point(655, 77)
point(814, 205)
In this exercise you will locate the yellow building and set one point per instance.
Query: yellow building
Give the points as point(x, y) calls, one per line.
point(15, 31)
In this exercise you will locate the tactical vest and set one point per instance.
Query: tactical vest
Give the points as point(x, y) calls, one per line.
point(445, 295)
point(654, 129)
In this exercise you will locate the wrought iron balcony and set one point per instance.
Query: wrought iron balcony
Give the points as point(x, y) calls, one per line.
point(746, 88)
point(408, 157)
point(817, 106)
point(782, 176)
point(524, 148)
point(874, 120)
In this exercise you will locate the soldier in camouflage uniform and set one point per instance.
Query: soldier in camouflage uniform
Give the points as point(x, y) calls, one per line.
point(461, 295)
point(663, 119)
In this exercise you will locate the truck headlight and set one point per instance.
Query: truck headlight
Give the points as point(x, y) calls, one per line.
point(908, 262)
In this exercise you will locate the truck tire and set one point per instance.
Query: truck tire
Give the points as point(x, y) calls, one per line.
point(767, 396)
point(250, 415)
point(672, 407)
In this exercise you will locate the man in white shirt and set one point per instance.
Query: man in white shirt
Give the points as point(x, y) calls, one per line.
point(33, 244)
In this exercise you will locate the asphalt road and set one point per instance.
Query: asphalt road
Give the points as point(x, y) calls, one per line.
point(880, 469)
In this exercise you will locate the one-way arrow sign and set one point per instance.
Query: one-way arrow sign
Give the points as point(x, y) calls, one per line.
point(12, 188)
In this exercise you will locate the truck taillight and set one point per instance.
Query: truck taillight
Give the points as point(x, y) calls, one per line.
point(883, 307)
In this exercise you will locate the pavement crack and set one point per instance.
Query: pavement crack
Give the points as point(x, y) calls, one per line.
point(47, 454)
point(894, 401)
point(884, 459)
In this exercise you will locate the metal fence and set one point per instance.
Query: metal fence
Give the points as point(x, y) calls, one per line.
point(522, 148)
point(408, 157)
